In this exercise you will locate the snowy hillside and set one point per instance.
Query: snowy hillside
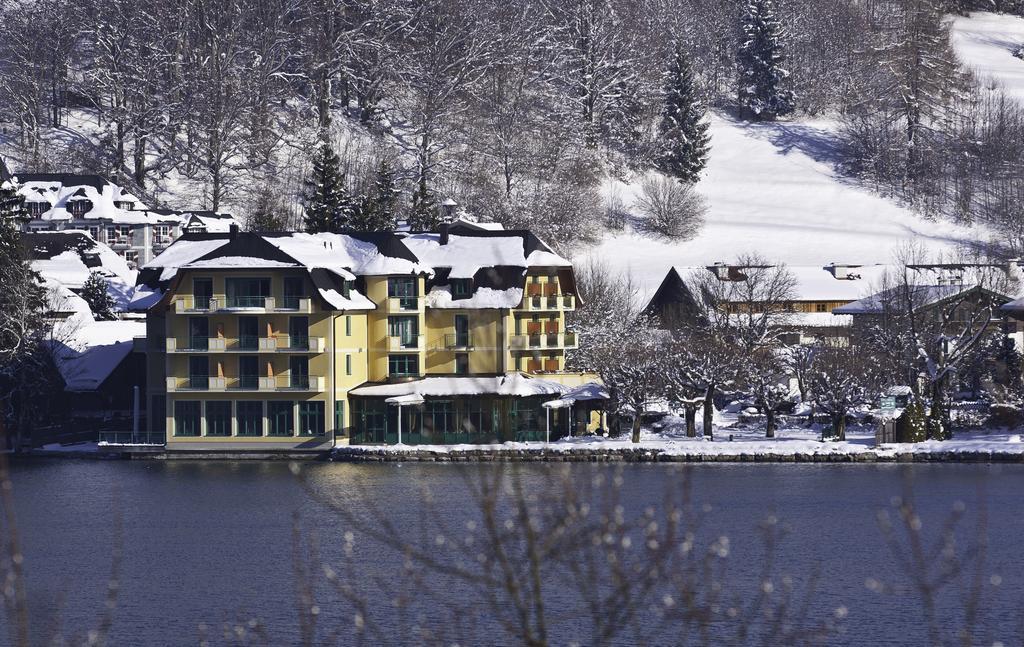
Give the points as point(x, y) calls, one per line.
point(773, 189)
point(985, 43)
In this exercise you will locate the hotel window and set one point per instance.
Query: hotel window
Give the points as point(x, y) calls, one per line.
point(346, 288)
point(292, 292)
point(311, 418)
point(348, 365)
point(348, 325)
point(198, 372)
point(94, 232)
point(78, 207)
point(462, 363)
point(821, 307)
point(280, 415)
point(403, 365)
point(131, 257)
point(439, 417)
point(249, 416)
point(298, 333)
point(187, 417)
point(218, 418)
point(339, 418)
point(298, 372)
point(404, 289)
point(406, 329)
point(248, 332)
point(36, 209)
point(248, 372)
point(462, 288)
point(247, 292)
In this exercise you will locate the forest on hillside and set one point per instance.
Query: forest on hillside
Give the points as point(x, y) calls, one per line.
point(516, 110)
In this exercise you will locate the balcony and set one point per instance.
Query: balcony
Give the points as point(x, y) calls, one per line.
point(248, 344)
point(411, 343)
point(275, 384)
point(186, 304)
point(548, 303)
point(458, 341)
point(160, 242)
point(119, 242)
point(537, 341)
point(542, 366)
point(405, 304)
point(189, 304)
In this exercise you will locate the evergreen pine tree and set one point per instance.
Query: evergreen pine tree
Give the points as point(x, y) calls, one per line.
point(684, 129)
point(94, 291)
point(377, 212)
point(21, 294)
point(762, 78)
point(328, 205)
point(425, 216)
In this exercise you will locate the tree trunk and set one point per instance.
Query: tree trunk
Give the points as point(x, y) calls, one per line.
point(636, 427)
point(769, 422)
point(139, 158)
point(709, 413)
point(839, 426)
point(690, 410)
point(938, 417)
point(810, 416)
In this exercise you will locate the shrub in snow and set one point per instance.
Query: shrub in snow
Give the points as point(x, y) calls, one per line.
point(912, 426)
point(94, 291)
point(671, 208)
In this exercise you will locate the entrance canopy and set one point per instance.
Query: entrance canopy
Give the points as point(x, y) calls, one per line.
point(586, 392)
point(407, 400)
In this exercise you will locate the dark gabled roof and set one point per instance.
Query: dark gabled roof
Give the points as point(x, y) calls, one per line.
point(386, 242)
point(5, 173)
point(530, 241)
point(673, 291)
point(67, 179)
point(44, 245)
point(248, 245)
point(202, 213)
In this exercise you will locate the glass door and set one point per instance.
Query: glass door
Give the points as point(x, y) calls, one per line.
point(248, 333)
point(198, 333)
point(202, 293)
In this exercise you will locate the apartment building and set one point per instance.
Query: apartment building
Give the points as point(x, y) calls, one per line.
point(304, 341)
point(109, 213)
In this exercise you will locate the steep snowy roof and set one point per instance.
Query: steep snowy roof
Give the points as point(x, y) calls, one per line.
point(94, 351)
point(466, 253)
point(513, 384)
point(68, 257)
point(59, 189)
point(346, 254)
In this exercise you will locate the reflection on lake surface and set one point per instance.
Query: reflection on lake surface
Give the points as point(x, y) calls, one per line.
point(211, 543)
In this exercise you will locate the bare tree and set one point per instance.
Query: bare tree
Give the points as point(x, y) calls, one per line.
point(842, 378)
point(671, 208)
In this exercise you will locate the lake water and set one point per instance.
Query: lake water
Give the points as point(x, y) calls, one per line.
point(207, 544)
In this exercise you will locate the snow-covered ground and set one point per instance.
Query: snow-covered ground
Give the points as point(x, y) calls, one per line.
point(774, 189)
point(985, 42)
point(736, 442)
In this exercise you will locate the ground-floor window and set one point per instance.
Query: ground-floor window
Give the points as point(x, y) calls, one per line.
point(339, 418)
point(187, 417)
point(218, 418)
point(311, 418)
point(280, 414)
point(438, 419)
point(249, 416)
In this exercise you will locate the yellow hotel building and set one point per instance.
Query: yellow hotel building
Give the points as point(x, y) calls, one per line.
point(307, 341)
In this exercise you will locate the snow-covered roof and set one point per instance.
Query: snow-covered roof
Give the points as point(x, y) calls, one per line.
point(923, 295)
point(94, 350)
point(513, 384)
point(345, 255)
point(467, 254)
point(483, 297)
point(834, 282)
point(57, 190)
point(68, 257)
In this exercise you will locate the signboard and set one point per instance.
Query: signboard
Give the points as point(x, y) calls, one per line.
point(888, 403)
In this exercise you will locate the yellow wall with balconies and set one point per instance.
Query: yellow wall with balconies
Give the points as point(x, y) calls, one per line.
point(379, 342)
point(486, 342)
